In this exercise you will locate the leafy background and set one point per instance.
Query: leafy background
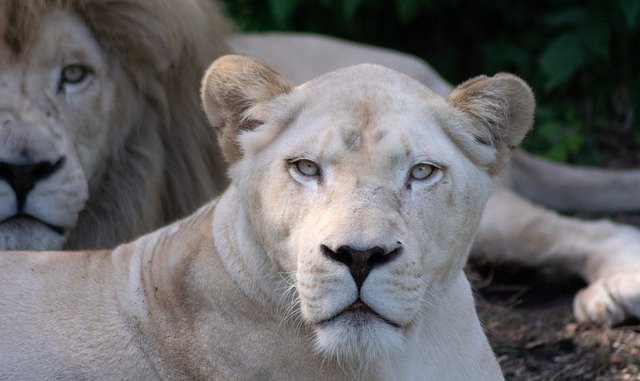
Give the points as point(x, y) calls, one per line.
point(580, 57)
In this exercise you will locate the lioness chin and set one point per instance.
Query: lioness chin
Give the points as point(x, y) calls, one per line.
point(336, 252)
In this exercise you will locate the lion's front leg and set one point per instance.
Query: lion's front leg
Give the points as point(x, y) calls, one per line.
point(604, 253)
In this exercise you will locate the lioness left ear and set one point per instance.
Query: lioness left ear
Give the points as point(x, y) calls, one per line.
point(231, 89)
point(501, 108)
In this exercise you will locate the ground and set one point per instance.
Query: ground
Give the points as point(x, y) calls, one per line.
point(528, 314)
point(528, 318)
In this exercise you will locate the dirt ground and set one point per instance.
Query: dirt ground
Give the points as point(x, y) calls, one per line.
point(528, 318)
point(528, 314)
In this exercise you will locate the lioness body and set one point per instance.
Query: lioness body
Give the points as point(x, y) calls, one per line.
point(170, 306)
point(337, 252)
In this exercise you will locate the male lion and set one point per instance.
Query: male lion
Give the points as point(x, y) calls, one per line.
point(336, 252)
point(104, 139)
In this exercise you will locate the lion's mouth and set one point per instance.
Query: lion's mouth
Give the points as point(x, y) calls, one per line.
point(24, 217)
point(361, 312)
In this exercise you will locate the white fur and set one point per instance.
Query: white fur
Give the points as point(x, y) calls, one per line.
point(241, 290)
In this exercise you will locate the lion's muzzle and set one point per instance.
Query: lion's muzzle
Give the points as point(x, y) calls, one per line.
point(23, 177)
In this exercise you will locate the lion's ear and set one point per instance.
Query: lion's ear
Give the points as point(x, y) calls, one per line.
point(501, 108)
point(231, 89)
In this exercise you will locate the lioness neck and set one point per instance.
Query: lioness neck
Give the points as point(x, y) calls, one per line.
point(221, 313)
point(214, 314)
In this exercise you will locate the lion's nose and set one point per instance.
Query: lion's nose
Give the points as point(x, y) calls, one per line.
point(360, 262)
point(22, 178)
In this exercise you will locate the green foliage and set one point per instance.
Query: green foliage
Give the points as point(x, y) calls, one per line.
point(578, 55)
point(562, 58)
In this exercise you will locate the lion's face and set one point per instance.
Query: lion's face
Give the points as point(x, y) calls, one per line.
point(368, 204)
point(57, 101)
point(364, 187)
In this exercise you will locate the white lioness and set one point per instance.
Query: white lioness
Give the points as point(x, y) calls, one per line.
point(336, 252)
point(102, 139)
point(513, 229)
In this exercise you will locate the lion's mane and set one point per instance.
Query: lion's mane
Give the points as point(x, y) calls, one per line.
point(164, 50)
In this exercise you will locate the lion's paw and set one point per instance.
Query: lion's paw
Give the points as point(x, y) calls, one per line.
point(610, 300)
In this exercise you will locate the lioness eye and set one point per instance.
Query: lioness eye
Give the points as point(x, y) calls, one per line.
point(421, 171)
point(73, 74)
point(307, 167)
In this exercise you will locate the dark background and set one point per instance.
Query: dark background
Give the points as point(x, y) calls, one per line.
point(582, 58)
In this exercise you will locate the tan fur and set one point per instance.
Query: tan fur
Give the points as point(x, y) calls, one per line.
point(492, 101)
point(243, 289)
point(155, 158)
point(257, 86)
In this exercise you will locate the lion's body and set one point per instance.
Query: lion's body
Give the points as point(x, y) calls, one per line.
point(243, 289)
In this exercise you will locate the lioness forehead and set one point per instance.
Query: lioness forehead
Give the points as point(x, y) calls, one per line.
point(364, 77)
point(369, 107)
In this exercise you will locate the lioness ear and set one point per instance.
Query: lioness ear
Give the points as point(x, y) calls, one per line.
point(502, 109)
point(231, 88)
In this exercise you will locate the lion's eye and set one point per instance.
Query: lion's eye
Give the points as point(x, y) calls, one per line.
point(74, 74)
point(422, 171)
point(307, 167)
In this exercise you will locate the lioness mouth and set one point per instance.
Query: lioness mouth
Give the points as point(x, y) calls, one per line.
point(24, 216)
point(361, 308)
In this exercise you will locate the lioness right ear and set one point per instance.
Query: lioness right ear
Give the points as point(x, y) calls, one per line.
point(231, 88)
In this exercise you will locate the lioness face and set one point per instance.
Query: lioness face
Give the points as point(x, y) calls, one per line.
point(57, 92)
point(364, 187)
point(368, 204)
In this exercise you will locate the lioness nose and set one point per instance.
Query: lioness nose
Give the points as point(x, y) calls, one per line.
point(22, 178)
point(360, 262)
